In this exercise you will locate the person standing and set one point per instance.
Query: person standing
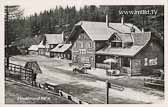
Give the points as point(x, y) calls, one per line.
point(34, 76)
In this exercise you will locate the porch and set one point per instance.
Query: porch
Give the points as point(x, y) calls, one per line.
point(123, 63)
point(64, 55)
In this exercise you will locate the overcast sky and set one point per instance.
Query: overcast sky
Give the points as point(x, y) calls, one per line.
point(32, 6)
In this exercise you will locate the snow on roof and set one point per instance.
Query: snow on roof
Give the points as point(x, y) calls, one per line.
point(100, 31)
point(125, 37)
point(54, 38)
point(33, 48)
point(140, 41)
point(120, 51)
point(41, 45)
point(141, 38)
point(61, 48)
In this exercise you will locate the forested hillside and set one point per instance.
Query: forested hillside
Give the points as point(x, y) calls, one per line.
point(23, 29)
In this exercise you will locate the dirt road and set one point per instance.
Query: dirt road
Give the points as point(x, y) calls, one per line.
point(84, 87)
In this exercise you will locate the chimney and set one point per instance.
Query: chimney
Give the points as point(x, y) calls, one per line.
point(142, 30)
point(63, 38)
point(122, 19)
point(107, 21)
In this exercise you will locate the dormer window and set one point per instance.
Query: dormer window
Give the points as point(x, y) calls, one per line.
point(116, 44)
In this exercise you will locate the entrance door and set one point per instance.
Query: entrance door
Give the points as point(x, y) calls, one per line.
point(136, 66)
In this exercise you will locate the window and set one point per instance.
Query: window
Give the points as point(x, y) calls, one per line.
point(116, 44)
point(82, 36)
point(82, 51)
point(146, 62)
point(153, 61)
point(75, 45)
point(75, 58)
point(78, 44)
point(91, 59)
point(90, 45)
point(81, 44)
point(126, 62)
point(51, 46)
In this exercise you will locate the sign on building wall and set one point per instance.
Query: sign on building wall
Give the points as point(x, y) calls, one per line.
point(153, 61)
point(150, 62)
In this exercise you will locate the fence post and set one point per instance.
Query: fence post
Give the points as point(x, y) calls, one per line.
point(20, 72)
point(14, 69)
point(107, 92)
point(25, 73)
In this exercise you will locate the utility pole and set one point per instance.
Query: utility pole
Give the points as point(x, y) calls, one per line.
point(7, 39)
point(113, 86)
point(7, 34)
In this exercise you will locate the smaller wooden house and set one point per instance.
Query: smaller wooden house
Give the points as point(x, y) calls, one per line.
point(50, 41)
point(33, 50)
point(137, 53)
point(61, 51)
point(41, 48)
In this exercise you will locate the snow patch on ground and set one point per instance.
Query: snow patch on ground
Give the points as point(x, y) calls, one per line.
point(128, 93)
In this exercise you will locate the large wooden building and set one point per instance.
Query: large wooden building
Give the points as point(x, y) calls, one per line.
point(135, 51)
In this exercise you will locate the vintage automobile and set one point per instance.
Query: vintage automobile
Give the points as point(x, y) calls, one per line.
point(79, 70)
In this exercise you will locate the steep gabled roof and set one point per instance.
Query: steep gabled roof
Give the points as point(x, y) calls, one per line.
point(61, 48)
point(54, 38)
point(120, 51)
point(140, 40)
point(33, 48)
point(125, 37)
point(100, 31)
point(41, 45)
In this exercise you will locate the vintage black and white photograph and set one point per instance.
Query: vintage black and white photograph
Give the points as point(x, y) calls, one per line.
point(83, 54)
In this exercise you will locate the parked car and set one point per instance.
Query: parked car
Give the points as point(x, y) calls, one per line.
point(79, 70)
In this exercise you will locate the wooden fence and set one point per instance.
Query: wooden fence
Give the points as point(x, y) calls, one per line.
point(18, 72)
point(104, 66)
point(154, 81)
